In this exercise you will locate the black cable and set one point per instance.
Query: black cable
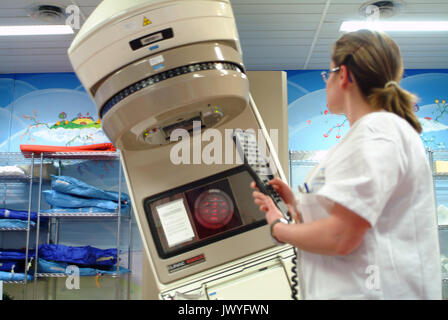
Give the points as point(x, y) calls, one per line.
point(294, 277)
point(294, 280)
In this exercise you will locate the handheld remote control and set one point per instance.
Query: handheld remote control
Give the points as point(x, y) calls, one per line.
point(258, 167)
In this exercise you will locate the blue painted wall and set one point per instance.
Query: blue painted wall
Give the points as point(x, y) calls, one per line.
point(32, 104)
point(312, 127)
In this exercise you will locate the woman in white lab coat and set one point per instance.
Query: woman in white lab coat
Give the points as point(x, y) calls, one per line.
point(369, 226)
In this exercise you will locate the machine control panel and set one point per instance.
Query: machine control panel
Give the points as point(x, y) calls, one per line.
point(203, 212)
point(264, 277)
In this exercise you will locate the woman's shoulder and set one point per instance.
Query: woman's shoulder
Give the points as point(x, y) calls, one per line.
point(384, 123)
point(381, 127)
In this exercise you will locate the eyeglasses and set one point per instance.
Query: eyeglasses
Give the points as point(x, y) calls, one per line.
point(326, 74)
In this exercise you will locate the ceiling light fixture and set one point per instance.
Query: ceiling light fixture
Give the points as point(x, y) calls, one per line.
point(32, 30)
point(380, 25)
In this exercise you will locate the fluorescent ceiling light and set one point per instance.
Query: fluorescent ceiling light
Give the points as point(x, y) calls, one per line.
point(395, 25)
point(35, 30)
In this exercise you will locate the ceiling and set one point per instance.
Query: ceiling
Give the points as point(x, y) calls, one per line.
point(274, 34)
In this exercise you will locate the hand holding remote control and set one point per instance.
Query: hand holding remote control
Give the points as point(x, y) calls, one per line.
point(258, 167)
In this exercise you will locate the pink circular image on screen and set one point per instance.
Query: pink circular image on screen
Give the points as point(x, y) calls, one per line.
point(213, 209)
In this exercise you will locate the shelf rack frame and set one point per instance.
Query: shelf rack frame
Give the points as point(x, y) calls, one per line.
point(54, 217)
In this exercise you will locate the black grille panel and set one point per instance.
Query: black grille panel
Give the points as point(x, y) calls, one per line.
point(164, 76)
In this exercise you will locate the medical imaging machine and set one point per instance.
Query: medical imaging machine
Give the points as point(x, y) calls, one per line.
point(170, 86)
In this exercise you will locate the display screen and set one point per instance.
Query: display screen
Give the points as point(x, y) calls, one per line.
point(185, 125)
point(203, 212)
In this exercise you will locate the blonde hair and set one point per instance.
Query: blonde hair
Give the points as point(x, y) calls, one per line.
point(374, 59)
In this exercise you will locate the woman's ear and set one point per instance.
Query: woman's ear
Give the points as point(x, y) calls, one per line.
point(345, 76)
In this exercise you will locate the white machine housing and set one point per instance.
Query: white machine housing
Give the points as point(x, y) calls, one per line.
point(154, 66)
point(121, 50)
point(102, 45)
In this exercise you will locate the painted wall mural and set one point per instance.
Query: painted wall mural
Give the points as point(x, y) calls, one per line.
point(46, 109)
point(313, 127)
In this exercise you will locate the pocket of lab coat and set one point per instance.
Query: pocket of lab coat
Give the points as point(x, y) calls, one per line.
point(313, 206)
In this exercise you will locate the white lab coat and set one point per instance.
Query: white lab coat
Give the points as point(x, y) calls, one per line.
point(380, 171)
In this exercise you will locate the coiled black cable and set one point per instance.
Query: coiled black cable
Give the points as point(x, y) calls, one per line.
point(294, 280)
point(294, 277)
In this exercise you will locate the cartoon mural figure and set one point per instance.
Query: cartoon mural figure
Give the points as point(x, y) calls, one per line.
point(35, 123)
point(435, 124)
point(80, 123)
point(47, 109)
point(337, 127)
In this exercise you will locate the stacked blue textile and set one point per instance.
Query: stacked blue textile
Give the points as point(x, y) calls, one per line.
point(14, 260)
point(16, 214)
point(85, 255)
point(45, 266)
point(9, 276)
point(15, 254)
point(55, 258)
point(17, 219)
point(69, 194)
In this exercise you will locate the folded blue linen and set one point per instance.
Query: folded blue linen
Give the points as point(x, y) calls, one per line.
point(15, 254)
point(85, 255)
point(45, 266)
point(73, 186)
point(8, 276)
point(15, 223)
point(17, 214)
point(63, 200)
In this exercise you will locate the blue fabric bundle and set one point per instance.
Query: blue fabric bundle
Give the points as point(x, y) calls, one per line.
point(62, 200)
point(15, 223)
point(83, 256)
point(8, 276)
point(69, 192)
point(8, 265)
point(11, 218)
point(78, 210)
point(15, 214)
point(10, 258)
point(14, 254)
point(45, 266)
point(76, 187)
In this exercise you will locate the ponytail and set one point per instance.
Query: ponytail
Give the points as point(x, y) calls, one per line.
point(395, 99)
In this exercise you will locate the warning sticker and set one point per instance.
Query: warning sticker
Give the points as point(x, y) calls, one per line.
point(146, 21)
